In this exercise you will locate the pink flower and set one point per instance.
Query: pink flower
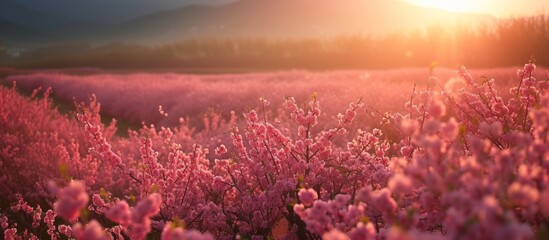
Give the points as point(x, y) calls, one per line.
point(65, 230)
point(383, 201)
point(141, 214)
point(363, 231)
point(92, 231)
point(299, 209)
point(307, 196)
point(408, 126)
point(449, 130)
point(463, 73)
point(335, 234)
point(71, 200)
point(162, 112)
point(49, 220)
point(522, 194)
point(119, 213)
point(437, 109)
point(4, 222)
point(342, 199)
point(252, 116)
point(529, 68)
point(172, 232)
point(37, 217)
point(220, 150)
point(98, 201)
point(10, 234)
point(147, 207)
point(401, 184)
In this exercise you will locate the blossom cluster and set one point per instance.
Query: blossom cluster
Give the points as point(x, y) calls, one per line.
point(461, 162)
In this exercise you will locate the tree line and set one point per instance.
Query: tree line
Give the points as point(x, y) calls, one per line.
point(499, 44)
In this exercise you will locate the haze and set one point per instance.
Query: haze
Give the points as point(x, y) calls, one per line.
point(497, 8)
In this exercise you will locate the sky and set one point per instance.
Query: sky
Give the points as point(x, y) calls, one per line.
point(496, 8)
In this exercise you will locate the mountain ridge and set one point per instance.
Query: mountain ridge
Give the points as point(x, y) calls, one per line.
point(241, 19)
point(286, 18)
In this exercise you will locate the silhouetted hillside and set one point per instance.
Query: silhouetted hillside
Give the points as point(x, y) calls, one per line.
point(280, 19)
point(20, 33)
point(288, 19)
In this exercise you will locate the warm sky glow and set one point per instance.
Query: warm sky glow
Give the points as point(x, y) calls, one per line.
point(451, 5)
point(498, 8)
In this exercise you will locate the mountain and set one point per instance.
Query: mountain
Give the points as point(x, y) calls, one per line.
point(287, 18)
point(15, 32)
point(244, 18)
point(21, 20)
point(23, 25)
point(58, 21)
point(110, 11)
point(18, 13)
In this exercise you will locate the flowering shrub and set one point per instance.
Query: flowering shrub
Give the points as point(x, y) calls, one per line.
point(41, 144)
point(477, 174)
point(461, 162)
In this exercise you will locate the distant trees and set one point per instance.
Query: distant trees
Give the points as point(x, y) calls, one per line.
point(491, 45)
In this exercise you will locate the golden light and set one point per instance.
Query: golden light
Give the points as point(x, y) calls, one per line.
point(450, 5)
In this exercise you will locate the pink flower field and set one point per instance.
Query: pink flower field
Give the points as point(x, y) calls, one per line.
point(395, 154)
point(136, 97)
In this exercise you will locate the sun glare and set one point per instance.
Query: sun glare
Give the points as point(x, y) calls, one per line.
point(449, 5)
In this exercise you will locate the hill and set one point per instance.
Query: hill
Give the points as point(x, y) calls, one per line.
point(287, 19)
